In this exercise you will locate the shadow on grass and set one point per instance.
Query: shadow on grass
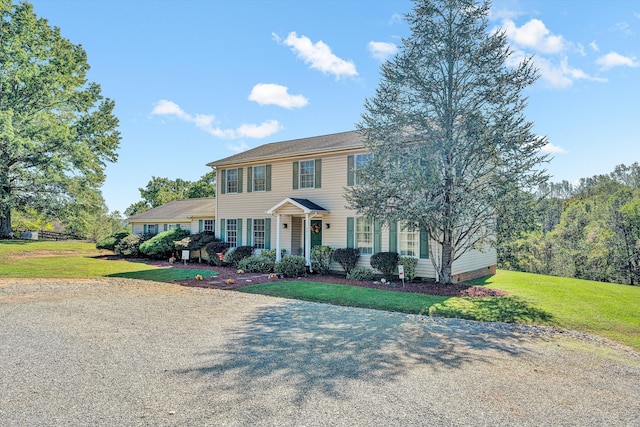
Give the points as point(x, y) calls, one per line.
point(502, 309)
point(316, 349)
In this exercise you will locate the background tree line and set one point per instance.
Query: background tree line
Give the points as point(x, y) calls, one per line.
point(590, 230)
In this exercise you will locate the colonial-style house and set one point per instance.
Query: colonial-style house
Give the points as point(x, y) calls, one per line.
point(290, 195)
point(189, 214)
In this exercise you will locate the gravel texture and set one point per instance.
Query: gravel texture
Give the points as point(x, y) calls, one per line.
point(125, 352)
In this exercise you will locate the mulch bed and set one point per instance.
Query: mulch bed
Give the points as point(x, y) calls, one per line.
point(245, 279)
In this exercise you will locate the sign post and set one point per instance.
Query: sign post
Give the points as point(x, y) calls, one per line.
point(401, 273)
point(185, 256)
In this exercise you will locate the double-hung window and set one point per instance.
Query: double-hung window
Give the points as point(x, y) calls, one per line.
point(232, 181)
point(232, 233)
point(408, 241)
point(259, 233)
point(259, 178)
point(364, 235)
point(359, 161)
point(307, 173)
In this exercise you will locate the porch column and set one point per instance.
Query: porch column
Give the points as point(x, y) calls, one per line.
point(278, 227)
point(307, 240)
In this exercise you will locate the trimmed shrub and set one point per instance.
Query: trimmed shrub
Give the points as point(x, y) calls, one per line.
point(361, 273)
point(215, 248)
point(129, 246)
point(198, 241)
point(347, 258)
point(162, 246)
point(386, 263)
point(292, 266)
point(257, 264)
point(235, 255)
point(321, 258)
point(110, 242)
point(410, 264)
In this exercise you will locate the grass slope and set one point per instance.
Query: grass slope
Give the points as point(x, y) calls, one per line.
point(73, 259)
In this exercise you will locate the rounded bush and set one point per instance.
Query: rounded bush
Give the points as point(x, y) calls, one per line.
point(410, 264)
point(109, 243)
point(347, 258)
point(361, 273)
point(162, 245)
point(129, 246)
point(239, 253)
point(321, 258)
point(257, 264)
point(386, 263)
point(292, 266)
point(215, 248)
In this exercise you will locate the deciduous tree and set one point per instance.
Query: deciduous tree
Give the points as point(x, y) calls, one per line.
point(55, 126)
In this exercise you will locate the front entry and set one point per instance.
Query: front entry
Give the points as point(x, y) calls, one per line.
point(316, 233)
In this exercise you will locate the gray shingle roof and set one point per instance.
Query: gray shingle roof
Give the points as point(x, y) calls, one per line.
point(179, 209)
point(316, 144)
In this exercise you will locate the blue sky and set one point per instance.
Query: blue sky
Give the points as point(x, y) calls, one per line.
point(197, 80)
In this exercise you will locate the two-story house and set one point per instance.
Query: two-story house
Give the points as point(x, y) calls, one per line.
point(290, 195)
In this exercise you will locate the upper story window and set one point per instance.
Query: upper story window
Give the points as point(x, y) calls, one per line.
point(259, 180)
point(307, 174)
point(232, 181)
point(359, 161)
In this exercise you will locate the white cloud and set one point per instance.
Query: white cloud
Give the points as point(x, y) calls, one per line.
point(614, 59)
point(206, 121)
point(259, 131)
point(552, 149)
point(238, 148)
point(319, 56)
point(593, 45)
point(535, 35)
point(382, 50)
point(622, 27)
point(268, 93)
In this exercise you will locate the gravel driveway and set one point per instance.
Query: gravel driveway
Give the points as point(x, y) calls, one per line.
point(127, 353)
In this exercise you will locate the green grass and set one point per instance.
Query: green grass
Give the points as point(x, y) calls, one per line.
point(352, 296)
point(73, 259)
point(605, 309)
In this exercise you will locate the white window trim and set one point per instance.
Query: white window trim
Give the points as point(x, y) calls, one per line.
point(358, 221)
point(312, 174)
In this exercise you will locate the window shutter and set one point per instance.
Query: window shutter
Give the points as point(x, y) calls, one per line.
point(351, 232)
point(249, 179)
point(239, 180)
point(267, 233)
point(377, 236)
point(424, 244)
point(223, 224)
point(318, 173)
point(268, 185)
point(223, 181)
point(350, 172)
point(296, 168)
point(249, 232)
point(144, 228)
point(200, 226)
point(393, 237)
point(239, 226)
point(165, 227)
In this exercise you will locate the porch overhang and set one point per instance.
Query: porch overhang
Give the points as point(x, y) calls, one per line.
point(306, 206)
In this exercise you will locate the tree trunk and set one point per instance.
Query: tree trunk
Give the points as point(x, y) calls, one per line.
point(5, 223)
point(446, 262)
